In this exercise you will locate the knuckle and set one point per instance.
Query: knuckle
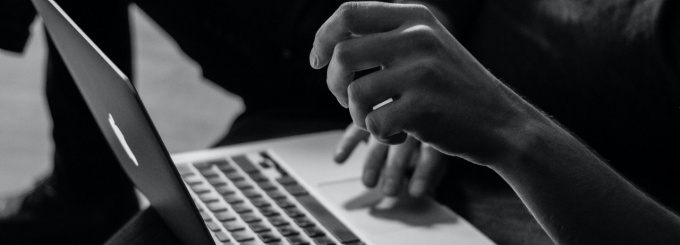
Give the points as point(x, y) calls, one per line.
point(346, 11)
point(424, 38)
point(355, 93)
point(342, 54)
point(427, 39)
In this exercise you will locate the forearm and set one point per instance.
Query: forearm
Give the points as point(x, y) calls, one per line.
point(577, 198)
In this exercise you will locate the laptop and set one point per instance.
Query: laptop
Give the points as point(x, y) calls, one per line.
point(280, 191)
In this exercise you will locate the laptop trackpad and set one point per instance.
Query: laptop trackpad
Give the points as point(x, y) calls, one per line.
point(386, 220)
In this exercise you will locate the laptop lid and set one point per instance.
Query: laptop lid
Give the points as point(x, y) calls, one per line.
point(122, 118)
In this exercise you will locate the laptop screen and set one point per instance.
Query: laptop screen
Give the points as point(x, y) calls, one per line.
point(122, 118)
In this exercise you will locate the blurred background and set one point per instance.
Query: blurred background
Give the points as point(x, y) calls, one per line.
point(181, 103)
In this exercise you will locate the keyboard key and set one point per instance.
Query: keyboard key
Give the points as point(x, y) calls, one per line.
point(225, 190)
point(303, 222)
point(245, 164)
point(296, 190)
point(234, 176)
point(278, 221)
point(328, 220)
point(266, 185)
point(200, 189)
point(243, 185)
point(233, 199)
point(297, 240)
point(251, 242)
point(208, 198)
point(218, 162)
point(269, 237)
point(250, 217)
point(259, 227)
point(323, 241)
point(276, 194)
point(258, 177)
point(294, 212)
point(222, 236)
point(217, 207)
point(260, 202)
point(286, 180)
point(250, 194)
point(217, 182)
point(213, 226)
point(209, 173)
point(284, 203)
point(233, 226)
point(241, 236)
point(267, 212)
point(240, 208)
point(288, 231)
point(202, 165)
point(184, 169)
point(226, 168)
point(205, 216)
point(314, 231)
point(225, 216)
point(193, 180)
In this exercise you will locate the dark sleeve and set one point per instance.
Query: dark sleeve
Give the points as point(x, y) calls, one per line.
point(669, 37)
point(461, 13)
point(16, 17)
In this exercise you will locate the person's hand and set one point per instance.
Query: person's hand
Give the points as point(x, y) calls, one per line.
point(441, 94)
point(389, 167)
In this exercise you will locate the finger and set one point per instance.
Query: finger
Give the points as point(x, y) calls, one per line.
point(387, 123)
point(398, 158)
point(427, 171)
point(374, 162)
point(368, 93)
point(358, 54)
point(350, 139)
point(356, 18)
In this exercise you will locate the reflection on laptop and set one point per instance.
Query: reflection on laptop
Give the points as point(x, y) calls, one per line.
point(282, 191)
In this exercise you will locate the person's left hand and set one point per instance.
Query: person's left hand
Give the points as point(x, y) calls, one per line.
point(441, 95)
point(412, 165)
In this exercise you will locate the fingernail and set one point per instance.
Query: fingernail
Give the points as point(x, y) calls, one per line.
point(338, 155)
point(313, 60)
point(417, 188)
point(369, 178)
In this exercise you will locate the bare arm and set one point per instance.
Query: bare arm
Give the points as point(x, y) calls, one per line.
point(442, 96)
point(576, 197)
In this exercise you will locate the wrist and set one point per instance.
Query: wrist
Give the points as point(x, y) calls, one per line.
point(525, 138)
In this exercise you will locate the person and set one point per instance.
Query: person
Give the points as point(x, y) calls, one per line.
point(275, 35)
point(441, 95)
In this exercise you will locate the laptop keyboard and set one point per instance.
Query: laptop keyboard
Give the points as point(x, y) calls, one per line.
point(245, 203)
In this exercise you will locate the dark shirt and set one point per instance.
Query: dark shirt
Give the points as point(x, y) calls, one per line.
point(606, 70)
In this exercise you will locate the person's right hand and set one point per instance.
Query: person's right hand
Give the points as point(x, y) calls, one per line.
point(412, 166)
point(441, 94)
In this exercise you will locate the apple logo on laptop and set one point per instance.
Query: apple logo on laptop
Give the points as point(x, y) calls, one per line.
point(121, 138)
